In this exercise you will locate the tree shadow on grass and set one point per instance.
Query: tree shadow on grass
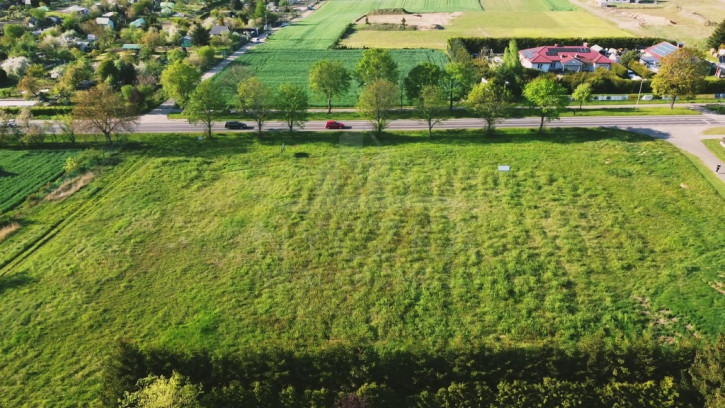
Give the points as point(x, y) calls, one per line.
point(14, 281)
point(456, 137)
point(189, 145)
point(649, 132)
point(225, 144)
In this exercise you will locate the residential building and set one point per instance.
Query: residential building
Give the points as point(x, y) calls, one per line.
point(651, 56)
point(218, 30)
point(571, 58)
point(105, 22)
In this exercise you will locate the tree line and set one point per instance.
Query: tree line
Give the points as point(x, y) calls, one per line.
point(489, 92)
point(594, 374)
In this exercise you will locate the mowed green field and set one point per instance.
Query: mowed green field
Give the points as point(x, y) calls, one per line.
point(527, 5)
point(227, 244)
point(24, 171)
point(494, 23)
point(275, 66)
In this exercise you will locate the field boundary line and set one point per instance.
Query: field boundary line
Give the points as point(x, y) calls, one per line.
point(56, 227)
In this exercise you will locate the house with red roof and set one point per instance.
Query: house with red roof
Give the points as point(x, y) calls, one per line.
point(564, 59)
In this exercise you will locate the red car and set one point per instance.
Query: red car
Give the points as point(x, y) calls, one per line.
point(333, 124)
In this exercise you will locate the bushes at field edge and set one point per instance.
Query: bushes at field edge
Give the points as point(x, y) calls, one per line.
point(595, 373)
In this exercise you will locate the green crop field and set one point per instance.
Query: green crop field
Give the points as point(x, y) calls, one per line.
point(227, 243)
point(288, 55)
point(24, 171)
point(275, 66)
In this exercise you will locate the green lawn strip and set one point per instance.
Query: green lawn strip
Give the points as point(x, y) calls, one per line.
point(648, 110)
point(715, 131)
point(396, 242)
point(716, 147)
point(708, 174)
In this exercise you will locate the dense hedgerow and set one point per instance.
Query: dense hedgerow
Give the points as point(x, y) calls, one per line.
point(592, 375)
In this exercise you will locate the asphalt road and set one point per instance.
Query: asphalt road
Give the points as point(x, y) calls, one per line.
point(161, 124)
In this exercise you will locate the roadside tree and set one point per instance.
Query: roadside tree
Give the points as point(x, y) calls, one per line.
point(681, 74)
point(375, 103)
point(421, 75)
point(5, 128)
point(548, 97)
point(205, 103)
point(431, 104)
point(292, 104)
point(583, 93)
point(179, 80)
point(489, 102)
point(330, 79)
point(376, 63)
point(102, 110)
point(457, 81)
point(234, 74)
point(256, 99)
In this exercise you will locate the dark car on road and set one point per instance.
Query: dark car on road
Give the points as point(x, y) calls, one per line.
point(333, 124)
point(237, 125)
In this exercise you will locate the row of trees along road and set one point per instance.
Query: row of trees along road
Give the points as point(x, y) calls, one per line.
point(429, 86)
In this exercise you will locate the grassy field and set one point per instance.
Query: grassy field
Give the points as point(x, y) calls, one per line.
point(527, 5)
point(398, 243)
point(22, 172)
point(688, 21)
point(491, 24)
point(275, 66)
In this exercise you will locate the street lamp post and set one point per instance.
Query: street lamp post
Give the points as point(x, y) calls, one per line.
point(639, 94)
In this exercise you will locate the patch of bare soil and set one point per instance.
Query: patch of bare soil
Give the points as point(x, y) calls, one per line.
point(695, 16)
point(69, 187)
point(613, 15)
point(423, 21)
point(8, 229)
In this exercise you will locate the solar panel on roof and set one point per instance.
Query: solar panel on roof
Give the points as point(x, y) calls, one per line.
point(664, 49)
point(575, 50)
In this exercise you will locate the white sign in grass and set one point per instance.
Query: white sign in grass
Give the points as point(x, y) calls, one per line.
point(504, 168)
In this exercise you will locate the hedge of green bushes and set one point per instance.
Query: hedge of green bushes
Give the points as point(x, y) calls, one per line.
point(41, 110)
point(498, 45)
